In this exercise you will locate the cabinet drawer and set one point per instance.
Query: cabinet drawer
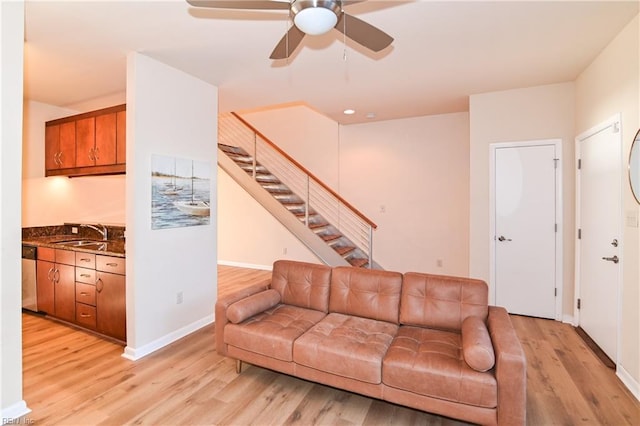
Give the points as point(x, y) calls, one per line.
point(66, 257)
point(86, 315)
point(114, 265)
point(85, 260)
point(46, 253)
point(86, 293)
point(85, 275)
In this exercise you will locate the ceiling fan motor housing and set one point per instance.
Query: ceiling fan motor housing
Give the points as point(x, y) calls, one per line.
point(315, 17)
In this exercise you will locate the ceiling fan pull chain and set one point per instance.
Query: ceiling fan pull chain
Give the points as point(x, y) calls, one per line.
point(344, 36)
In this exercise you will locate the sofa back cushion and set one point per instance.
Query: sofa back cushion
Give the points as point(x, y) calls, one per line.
point(443, 302)
point(366, 293)
point(302, 284)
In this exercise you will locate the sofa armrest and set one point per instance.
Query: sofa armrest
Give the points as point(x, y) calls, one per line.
point(510, 368)
point(223, 304)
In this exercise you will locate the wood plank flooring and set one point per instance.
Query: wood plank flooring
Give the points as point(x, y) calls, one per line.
point(75, 378)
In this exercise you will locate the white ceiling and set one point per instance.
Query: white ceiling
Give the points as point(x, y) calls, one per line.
point(443, 52)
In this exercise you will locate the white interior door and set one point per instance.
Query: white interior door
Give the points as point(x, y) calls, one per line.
point(599, 222)
point(525, 229)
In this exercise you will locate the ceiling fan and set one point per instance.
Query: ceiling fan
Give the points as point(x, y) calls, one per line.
point(310, 17)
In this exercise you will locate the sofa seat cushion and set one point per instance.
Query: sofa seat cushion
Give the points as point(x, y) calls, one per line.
point(272, 332)
point(347, 346)
point(429, 362)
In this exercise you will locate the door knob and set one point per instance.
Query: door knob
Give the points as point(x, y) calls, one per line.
point(614, 242)
point(613, 259)
point(502, 238)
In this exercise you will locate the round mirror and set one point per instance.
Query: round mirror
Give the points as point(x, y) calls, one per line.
point(634, 167)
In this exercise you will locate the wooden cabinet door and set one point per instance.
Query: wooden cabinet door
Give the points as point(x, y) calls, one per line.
point(111, 305)
point(85, 141)
point(65, 292)
point(105, 148)
point(121, 137)
point(44, 286)
point(67, 147)
point(51, 145)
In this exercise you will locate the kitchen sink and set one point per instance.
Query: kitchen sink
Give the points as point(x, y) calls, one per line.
point(88, 244)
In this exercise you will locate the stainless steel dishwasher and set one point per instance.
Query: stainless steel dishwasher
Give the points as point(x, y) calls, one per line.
point(29, 289)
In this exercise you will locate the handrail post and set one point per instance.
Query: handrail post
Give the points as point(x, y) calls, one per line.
point(255, 154)
point(370, 247)
point(306, 204)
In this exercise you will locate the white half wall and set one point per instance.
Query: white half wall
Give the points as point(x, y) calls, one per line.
point(173, 114)
point(12, 405)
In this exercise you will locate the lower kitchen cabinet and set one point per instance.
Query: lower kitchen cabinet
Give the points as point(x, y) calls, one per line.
point(100, 295)
point(111, 305)
point(90, 295)
point(55, 277)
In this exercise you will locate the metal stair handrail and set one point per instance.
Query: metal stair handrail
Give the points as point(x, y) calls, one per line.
point(318, 196)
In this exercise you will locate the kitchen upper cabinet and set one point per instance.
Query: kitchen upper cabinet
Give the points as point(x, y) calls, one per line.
point(60, 146)
point(93, 143)
point(121, 137)
point(85, 141)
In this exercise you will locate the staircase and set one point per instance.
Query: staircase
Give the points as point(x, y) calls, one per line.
point(331, 228)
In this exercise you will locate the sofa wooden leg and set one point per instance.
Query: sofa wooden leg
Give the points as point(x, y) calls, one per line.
point(238, 366)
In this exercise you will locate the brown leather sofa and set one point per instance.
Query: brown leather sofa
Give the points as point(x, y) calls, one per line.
point(429, 342)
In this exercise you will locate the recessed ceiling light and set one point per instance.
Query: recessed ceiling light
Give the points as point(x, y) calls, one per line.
point(371, 115)
point(349, 111)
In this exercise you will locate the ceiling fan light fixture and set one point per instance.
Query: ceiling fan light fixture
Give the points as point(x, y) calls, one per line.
point(315, 17)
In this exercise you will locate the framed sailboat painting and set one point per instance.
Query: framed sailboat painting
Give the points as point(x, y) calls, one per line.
point(180, 192)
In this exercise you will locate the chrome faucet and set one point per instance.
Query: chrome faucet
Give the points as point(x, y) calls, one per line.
point(97, 227)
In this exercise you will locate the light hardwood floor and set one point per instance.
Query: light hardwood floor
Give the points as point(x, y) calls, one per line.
point(74, 378)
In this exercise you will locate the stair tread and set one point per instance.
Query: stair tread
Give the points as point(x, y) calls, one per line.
point(291, 202)
point(267, 179)
point(342, 250)
point(318, 225)
point(240, 158)
point(278, 191)
point(229, 149)
point(358, 262)
point(330, 237)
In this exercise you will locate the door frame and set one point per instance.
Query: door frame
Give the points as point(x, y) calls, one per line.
point(613, 121)
point(557, 144)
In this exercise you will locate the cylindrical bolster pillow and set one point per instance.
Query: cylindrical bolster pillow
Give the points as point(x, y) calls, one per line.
point(254, 304)
point(477, 349)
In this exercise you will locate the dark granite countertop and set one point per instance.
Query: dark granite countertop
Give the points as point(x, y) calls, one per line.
point(50, 236)
point(111, 247)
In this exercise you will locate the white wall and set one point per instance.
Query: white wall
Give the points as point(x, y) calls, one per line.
point(544, 112)
point(608, 86)
point(174, 114)
point(11, 58)
point(411, 177)
point(58, 199)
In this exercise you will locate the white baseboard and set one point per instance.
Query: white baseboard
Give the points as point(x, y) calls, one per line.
point(12, 413)
point(135, 354)
point(629, 382)
point(245, 265)
point(568, 319)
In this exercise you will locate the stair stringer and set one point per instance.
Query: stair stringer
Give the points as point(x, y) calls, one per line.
point(305, 235)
